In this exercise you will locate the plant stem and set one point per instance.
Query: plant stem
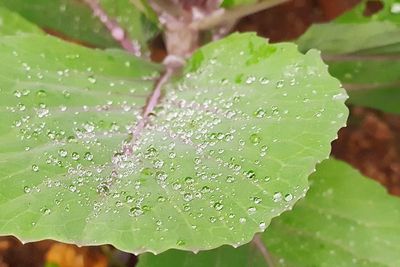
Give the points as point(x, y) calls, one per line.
point(225, 16)
point(117, 32)
point(263, 250)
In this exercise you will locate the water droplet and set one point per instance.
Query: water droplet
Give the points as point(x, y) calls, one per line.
point(264, 80)
point(255, 139)
point(279, 84)
point(72, 188)
point(35, 168)
point(250, 174)
point(277, 196)
point(180, 242)
point(218, 206)
point(45, 211)
point(161, 176)
point(189, 180)
point(260, 113)
point(136, 211)
point(17, 94)
point(250, 79)
point(66, 94)
point(75, 156)
point(88, 156)
point(129, 199)
point(288, 197)
point(62, 153)
point(230, 179)
point(158, 163)
point(187, 196)
point(161, 199)
point(257, 200)
point(92, 80)
point(340, 96)
point(205, 189)
point(27, 189)
point(251, 210)
point(103, 188)
point(41, 93)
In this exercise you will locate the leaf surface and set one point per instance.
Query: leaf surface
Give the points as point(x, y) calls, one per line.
point(345, 220)
point(12, 23)
point(229, 147)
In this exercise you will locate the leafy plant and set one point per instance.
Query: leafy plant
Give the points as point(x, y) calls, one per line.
point(202, 151)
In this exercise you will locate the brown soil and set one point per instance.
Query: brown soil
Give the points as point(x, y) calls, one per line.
point(370, 142)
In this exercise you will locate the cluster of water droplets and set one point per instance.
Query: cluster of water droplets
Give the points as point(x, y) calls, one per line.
point(206, 158)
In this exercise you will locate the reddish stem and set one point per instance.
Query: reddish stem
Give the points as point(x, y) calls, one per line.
point(117, 32)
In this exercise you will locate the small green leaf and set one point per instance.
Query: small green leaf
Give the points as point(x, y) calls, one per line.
point(345, 220)
point(229, 147)
point(12, 23)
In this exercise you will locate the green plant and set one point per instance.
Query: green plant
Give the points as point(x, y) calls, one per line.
point(204, 150)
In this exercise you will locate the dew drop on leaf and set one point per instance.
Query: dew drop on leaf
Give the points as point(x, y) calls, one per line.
point(135, 211)
point(27, 189)
point(62, 153)
point(35, 168)
point(288, 197)
point(75, 156)
point(88, 156)
point(41, 93)
point(277, 196)
point(189, 180)
point(230, 179)
point(255, 139)
point(218, 206)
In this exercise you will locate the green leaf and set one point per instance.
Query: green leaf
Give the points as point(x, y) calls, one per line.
point(354, 32)
point(367, 59)
point(229, 147)
point(76, 20)
point(132, 20)
point(12, 23)
point(232, 3)
point(345, 220)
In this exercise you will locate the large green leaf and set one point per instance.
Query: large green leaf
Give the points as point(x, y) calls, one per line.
point(76, 20)
point(363, 52)
point(229, 147)
point(345, 220)
point(11, 23)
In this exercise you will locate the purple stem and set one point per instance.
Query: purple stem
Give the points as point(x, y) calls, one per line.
point(117, 32)
point(147, 110)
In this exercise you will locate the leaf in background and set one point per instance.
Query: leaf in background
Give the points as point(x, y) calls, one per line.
point(229, 147)
point(232, 3)
point(364, 53)
point(12, 23)
point(132, 20)
point(345, 220)
point(75, 19)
